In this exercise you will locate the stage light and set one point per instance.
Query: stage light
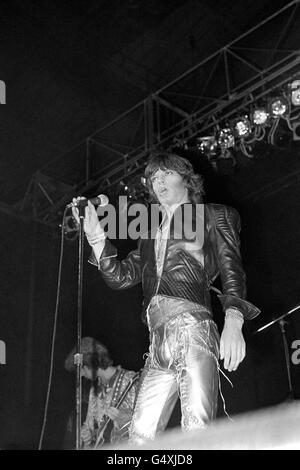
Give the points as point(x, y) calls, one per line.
point(260, 116)
point(226, 138)
point(207, 144)
point(279, 106)
point(295, 92)
point(242, 126)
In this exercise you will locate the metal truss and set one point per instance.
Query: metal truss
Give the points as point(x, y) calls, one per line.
point(245, 71)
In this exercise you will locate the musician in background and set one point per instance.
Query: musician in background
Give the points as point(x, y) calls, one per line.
point(111, 398)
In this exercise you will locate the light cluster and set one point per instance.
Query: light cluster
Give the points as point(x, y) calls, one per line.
point(259, 122)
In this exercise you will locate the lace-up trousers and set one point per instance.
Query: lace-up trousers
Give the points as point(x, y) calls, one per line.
point(183, 359)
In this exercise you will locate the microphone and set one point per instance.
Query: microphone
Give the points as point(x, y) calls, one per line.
point(100, 200)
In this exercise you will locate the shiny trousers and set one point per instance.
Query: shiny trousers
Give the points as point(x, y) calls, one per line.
point(183, 359)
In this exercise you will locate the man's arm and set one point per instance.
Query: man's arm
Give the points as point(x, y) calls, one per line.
point(227, 251)
point(232, 343)
point(117, 274)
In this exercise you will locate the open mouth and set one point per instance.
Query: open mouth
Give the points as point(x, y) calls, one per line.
point(162, 191)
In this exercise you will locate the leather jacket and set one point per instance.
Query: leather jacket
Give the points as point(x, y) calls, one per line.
point(187, 273)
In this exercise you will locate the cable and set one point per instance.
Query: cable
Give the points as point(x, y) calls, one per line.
point(54, 332)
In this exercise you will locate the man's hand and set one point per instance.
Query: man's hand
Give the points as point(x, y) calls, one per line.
point(91, 221)
point(113, 413)
point(232, 344)
point(120, 417)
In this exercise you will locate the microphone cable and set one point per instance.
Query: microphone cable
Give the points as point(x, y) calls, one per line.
point(53, 334)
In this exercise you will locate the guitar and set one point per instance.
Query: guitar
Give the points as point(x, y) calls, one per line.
point(104, 430)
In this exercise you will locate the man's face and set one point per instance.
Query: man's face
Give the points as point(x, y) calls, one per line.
point(169, 187)
point(87, 372)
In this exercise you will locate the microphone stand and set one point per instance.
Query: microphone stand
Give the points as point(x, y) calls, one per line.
point(78, 355)
point(280, 320)
point(282, 323)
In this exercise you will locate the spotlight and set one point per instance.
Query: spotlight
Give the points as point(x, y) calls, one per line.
point(226, 138)
point(207, 144)
point(260, 116)
point(295, 92)
point(242, 126)
point(279, 106)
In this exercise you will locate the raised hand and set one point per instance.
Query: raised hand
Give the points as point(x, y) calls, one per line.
point(91, 222)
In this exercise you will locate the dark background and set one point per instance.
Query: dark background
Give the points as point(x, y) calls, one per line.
point(56, 62)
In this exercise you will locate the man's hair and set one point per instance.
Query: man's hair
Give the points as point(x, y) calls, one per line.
point(97, 361)
point(94, 355)
point(171, 161)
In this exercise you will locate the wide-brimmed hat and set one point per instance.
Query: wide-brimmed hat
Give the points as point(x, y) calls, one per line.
point(88, 346)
